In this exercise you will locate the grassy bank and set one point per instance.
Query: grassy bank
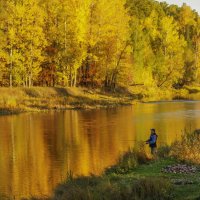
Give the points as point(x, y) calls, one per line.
point(144, 182)
point(15, 100)
point(145, 93)
point(173, 174)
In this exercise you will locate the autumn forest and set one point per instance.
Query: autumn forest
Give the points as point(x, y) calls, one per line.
point(98, 43)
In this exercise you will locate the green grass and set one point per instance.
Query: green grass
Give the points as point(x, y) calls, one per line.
point(190, 191)
point(141, 179)
point(114, 187)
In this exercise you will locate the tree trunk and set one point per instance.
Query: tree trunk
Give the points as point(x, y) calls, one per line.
point(166, 79)
point(10, 80)
point(70, 77)
point(11, 67)
point(75, 77)
point(29, 80)
point(26, 81)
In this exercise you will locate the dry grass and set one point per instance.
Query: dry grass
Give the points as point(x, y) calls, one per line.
point(14, 100)
point(188, 148)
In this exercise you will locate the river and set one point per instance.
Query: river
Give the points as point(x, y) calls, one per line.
point(38, 150)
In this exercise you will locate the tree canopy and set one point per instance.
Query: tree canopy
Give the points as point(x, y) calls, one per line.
point(98, 43)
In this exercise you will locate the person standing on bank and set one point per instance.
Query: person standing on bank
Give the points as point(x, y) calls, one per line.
point(152, 141)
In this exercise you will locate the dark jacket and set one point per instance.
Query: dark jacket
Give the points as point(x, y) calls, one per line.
point(152, 140)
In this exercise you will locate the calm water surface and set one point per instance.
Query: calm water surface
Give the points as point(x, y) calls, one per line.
point(37, 150)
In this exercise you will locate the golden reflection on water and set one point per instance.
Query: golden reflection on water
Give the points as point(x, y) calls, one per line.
point(38, 150)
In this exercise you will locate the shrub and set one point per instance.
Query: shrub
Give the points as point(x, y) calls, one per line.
point(163, 151)
point(10, 102)
point(98, 188)
point(31, 92)
point(152, 189)
point(188, 148)
point(87, 188)
point(129, 161)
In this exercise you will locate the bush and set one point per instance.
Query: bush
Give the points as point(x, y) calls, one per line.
point(31, 92)
point(129, 161)
point(188, 148)
point(152, 189)
point(163, 151)
point(87, 188)
point(10, 102)
point(98, 188)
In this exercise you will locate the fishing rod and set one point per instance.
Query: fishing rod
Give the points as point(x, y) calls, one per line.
point(141, 141)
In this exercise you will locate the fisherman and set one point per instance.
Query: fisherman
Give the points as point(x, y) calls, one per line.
point(152, 141)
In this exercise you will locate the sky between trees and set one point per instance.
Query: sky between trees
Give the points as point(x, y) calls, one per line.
point(194, 4)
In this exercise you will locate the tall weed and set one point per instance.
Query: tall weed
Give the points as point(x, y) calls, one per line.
point(129, 160)
point(188, 148)
point(101, 188)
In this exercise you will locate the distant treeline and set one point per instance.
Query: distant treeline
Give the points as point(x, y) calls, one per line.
point(98, 43)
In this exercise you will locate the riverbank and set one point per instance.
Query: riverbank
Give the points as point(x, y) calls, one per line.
point(161, 179)
point(17, 100)
point(174, 174)
point(145, 182)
